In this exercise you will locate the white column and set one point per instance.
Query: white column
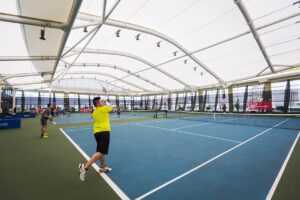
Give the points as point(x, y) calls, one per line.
point(14, 99)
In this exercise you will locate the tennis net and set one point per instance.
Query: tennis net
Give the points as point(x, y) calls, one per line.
point(285, 121)
point(139, 113)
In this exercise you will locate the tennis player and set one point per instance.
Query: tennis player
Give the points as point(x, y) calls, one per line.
point(102, 136)
point(44, 120)
point(118, 112)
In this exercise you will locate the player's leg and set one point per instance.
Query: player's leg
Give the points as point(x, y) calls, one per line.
point(102, 139)
point(43, 130)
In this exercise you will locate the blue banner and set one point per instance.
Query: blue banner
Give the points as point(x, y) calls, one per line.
point(10, 123)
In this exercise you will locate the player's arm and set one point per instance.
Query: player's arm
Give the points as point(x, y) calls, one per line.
point(45, 115)
point(109, 106)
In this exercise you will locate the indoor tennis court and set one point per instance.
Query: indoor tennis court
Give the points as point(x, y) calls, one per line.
point(226, 161)
point(148, 99)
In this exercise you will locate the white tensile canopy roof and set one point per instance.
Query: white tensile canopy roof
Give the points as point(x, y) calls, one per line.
point(146, 46)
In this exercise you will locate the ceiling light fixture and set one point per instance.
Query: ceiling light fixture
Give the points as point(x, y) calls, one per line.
point(296, 3)
point(137, 37)
point(185, 61)
point(42, 37)
point(158, 44)
point(85, 29)
point(118, 33)
point(175, 53)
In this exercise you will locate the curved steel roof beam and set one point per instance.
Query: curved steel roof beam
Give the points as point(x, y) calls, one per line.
point(93, 19)
point(32, 21)
point(124, 54)
point(9, 76)
point(72, 17)
point(111, 76)
point(27, 58)
point(123, 89)
point(94, 33)
point(121, 69)
point(125, 25)
point(256, 36)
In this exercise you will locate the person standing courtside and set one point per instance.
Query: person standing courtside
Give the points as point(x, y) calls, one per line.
point(44, 120)
point(102, 136)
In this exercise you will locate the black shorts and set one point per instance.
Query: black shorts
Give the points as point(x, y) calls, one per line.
point(44, 122)
point(102, 139)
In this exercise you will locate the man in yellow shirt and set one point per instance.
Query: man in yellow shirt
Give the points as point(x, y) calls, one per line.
point(102, 136)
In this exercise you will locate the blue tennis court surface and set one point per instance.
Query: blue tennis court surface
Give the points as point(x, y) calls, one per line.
point(179, 159)
point(87, 117)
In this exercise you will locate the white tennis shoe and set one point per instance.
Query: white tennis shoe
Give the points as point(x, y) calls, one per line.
point(82, 171)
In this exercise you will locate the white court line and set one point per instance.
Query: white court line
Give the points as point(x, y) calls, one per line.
point(88, 128)
point(119, 192)
point(78, 129)
point(204, 124)
point(53, 122)
point(280, 173)
point(189, 133)
point(205, 163)
point(160, 120)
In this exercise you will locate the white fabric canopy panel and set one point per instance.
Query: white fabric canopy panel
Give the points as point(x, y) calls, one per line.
point(266, 11)
point(24, 51)
point(239, 58)
point(190, 72)
point(86, 85)
point(161, 46)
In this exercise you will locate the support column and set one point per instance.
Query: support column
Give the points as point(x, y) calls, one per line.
point(204, 100)
point(39, 101)
point(90, 101)
point(185, 99)
point(287, 95)
point(54, 100)
point(161, 101)
point(169, 101)
point(230, 99)
point(194, 101)
point(13, 100)
point(176, 102)
point(141, 103)
point(1, 96)
point(132, 103)
point(267, 96)
point(216, 101)
point(245, 99)
point(66, 100)
point(117, 101)
point(200, 99)
point(79, 104)
point(125, 106)
point(23, 102)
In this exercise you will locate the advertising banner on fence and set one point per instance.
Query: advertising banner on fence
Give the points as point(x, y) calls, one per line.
point(259, 106)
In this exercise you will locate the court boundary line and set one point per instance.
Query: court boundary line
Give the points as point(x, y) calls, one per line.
point(206, 162)
point(196, 125)
point(190, 133)
point(282, 169)
point(114, 187)
point(81, 128)
point(204, 123)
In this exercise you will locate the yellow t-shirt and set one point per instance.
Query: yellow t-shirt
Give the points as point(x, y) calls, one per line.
point(101, 119)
